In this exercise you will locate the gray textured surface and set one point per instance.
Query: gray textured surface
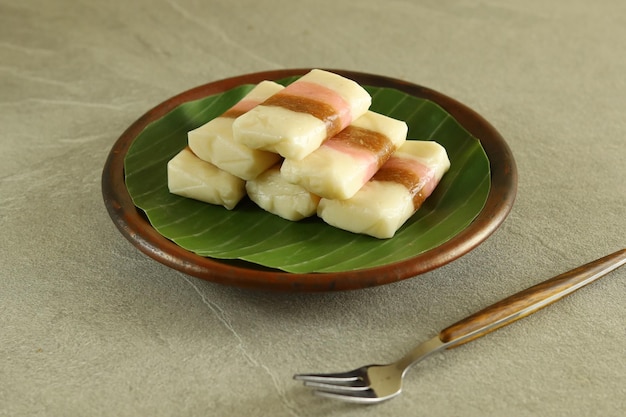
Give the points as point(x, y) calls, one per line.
point(89, 326)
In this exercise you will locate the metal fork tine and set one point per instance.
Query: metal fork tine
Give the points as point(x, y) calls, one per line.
point(338, 378)
point(357, 385)
point(367, 396)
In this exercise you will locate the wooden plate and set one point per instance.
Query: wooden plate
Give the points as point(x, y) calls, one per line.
point(133, 224)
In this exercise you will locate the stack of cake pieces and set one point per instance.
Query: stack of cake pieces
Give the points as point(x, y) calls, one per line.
point(313, 147)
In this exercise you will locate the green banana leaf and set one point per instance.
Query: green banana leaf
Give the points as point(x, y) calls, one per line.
point(310, 245)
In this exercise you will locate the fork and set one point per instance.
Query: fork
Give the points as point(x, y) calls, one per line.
point(377, 383)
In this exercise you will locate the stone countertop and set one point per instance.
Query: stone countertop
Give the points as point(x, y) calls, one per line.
point(91, 326)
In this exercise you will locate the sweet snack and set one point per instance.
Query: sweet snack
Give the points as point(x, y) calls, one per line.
point(214, 143)
point(295, 121)
point(393, 194)
point(345, 162)
point(191, 177)
point(312, 147)
point(274, 194)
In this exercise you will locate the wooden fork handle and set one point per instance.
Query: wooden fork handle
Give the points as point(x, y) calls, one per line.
point(529, 301)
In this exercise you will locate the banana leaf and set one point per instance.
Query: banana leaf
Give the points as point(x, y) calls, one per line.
point(251, 234)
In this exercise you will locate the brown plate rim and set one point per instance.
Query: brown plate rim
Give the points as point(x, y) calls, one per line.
point(133, 224)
